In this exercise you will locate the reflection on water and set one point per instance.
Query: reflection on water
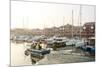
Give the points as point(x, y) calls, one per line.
point(63, 56)
point(17, 55)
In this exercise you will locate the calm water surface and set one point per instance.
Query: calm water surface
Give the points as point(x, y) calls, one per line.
point(63, 56)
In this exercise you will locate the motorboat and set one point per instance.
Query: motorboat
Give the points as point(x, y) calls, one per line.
point(56, 41)
point(37, 52)
point(79, 44)
point(71, 42)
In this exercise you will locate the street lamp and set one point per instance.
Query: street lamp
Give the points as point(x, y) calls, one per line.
point(84, 27)
point(92, 27)
point(86, 32)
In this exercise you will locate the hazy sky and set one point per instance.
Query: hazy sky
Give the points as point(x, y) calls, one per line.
point(40, 15)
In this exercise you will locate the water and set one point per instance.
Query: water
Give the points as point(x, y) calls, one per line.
point(63, 56)
point(17, 55)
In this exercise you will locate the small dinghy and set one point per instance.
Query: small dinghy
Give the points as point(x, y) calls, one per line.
point(37, 50)
point(37, 53)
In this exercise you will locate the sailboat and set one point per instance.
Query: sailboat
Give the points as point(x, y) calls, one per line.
point(57, 41)
point(72, 41)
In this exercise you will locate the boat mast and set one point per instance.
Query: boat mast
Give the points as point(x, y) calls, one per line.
point(63, 25)
point(80, 20)
point(44, 29)
point(54, 28)
point(23, 29)
point(23, 23)
point(72, 24)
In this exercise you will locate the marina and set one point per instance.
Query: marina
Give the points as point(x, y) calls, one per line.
point(62, 55)
point(51, 33)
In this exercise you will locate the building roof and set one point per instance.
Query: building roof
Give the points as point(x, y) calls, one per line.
point(90, 23)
